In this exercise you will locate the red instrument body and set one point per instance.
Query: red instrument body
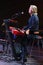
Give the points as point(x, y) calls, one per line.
point(15, 31)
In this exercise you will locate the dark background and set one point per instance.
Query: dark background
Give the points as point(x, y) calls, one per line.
point(8, 8)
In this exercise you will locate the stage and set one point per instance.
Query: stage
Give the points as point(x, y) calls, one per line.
point(5, 60)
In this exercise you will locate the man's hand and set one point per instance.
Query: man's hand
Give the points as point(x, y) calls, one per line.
point(36, 32)
point(27, 32)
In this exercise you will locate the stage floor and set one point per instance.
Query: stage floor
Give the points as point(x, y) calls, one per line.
point(5, 61)
point(36, 52)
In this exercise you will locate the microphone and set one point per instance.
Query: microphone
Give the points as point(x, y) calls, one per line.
point(14, 16)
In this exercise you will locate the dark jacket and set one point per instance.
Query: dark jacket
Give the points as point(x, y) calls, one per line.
point(33, 23)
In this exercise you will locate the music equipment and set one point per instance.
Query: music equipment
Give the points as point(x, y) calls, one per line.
point(16, 31)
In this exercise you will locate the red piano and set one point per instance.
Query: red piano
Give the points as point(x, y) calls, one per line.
point(16, 31)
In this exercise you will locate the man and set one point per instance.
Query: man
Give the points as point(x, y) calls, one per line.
point(32, 27)
point(33, 22)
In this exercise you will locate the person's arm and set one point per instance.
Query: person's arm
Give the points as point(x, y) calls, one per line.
point(36, 32)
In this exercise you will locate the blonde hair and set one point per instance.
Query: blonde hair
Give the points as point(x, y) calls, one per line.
point(34, 9)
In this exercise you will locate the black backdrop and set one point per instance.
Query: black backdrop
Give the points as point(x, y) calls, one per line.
point(9, 7)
